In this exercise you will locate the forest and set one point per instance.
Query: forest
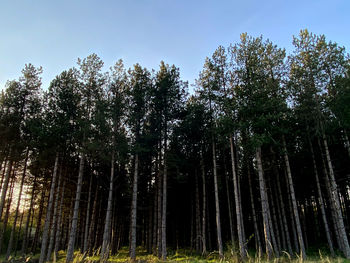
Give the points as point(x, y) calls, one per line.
point(252, 160)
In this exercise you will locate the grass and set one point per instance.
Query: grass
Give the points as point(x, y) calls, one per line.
point(186, 256)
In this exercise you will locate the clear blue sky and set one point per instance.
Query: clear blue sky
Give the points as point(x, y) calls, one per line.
point(54, 34)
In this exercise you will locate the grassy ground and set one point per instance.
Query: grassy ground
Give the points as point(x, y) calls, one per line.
point(186, 256)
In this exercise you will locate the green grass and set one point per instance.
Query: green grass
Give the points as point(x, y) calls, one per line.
point(186, 256)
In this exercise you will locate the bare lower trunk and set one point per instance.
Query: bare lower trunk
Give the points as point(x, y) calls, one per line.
point(87, 220)
point(198, 217)
point(40, 214)
point(48, 214)
point(294, 202)
point(264, 204)
point(134, 211)
point(7, 212)
point(25, 236)
point(73, 230)
point(204, 241)
point(280, 220)
point(159, 216)
point(335, 201)
point(13, 230)
point(164, 202)
point(274, 225)
point(256, 229)
point(272, 231)
point(92, 222)
point(320, 198)
point(239, 215)
point(107, 229)
point(54, 220)
point(284, 217)
point(59, 221)
point(217, 206)
point(5, 186)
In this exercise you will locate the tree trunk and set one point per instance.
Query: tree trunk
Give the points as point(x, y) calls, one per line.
point(25, 236)
point(198, 217)
point(256, 229)
point(272, 231)
point(159, 212)
point(283, 210)
point(320, 200)
point(217, 206)
point(5, 186)
point(45, 235)
point(204, 241)
point(3, 173)
point(274, 224)
point(54, 219)
point(164, 200)
point(13, 230)
point(264, 204)
point(59, 220)
point(86, 232)
point(7, 212)
point(280, 220)
point(40, 214)
point(73, 230)
point(239, 215)
point(294, 202)
point(134, 211)
point(92, 222)
point(335, 201)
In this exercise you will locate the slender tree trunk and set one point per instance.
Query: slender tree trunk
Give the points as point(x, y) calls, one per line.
point(40, 214)
point(272, 231)
point(107, 229)
point(217, 206)
point(134, 211)
point(204, 241)
point(159, 212)
point(239, 215)
point(256, 229)
point(5, 185)
point(25, 236)
point(7, 212)
point(284, 217)
point(19, 230)
point(155, 218)
point(13, 230)
point(274, 223)
point(54, 219)
point(164, 200)
point(86, 232)
point(92, 222)
point(294, 202)
point(198, 217)
point(229, 205)
point(320, 200)
point(264, 204)
point(59, 221)
point(3, 174)
point(335, 201)
point(73, 230)
point(280, 220)
point(48, 214)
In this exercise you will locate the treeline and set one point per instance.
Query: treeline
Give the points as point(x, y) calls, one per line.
point(257, 158)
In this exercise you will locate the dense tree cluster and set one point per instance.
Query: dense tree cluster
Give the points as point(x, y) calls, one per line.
point(258, 157)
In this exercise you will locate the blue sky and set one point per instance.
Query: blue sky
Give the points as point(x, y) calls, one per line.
point(53, 34)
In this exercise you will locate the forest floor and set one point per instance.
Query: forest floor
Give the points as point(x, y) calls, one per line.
point(182, 256)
